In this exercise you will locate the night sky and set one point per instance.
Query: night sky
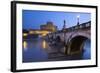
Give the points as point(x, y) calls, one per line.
point(32, 19)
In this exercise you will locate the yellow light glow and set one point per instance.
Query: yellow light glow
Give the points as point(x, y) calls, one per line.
point(37, 32)
point(25, 34)
point(25, 45)
point(31, 32)
point(44, 44)
point(44, 32)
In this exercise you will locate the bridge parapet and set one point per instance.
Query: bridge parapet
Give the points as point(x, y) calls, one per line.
point(81, 26)
point(73, 28)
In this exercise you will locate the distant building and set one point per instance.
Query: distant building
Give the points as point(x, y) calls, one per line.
point(49, 26)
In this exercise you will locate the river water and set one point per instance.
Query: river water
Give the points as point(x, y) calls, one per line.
point(35, 50)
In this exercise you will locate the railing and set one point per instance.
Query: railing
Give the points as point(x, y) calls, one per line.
point(81, 26)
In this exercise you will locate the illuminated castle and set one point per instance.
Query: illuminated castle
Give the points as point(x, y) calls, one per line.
point(49, 26)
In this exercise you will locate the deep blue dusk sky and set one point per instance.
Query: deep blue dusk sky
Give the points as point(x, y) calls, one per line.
point(32, 19)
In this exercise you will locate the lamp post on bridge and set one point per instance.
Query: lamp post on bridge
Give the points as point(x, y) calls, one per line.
point(64, 30)
point(78, 16)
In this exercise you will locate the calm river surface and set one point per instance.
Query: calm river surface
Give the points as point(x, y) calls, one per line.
point(35, 50)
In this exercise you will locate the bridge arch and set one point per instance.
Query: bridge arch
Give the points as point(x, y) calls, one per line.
point(76, 42)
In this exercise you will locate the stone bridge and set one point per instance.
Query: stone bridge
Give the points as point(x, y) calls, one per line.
point(74, 37)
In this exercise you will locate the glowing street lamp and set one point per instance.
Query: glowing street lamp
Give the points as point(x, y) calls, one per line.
point(78, 16)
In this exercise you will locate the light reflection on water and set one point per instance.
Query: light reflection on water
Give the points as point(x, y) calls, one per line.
point(44, 45)
point(35, 50)
point(25, 45)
